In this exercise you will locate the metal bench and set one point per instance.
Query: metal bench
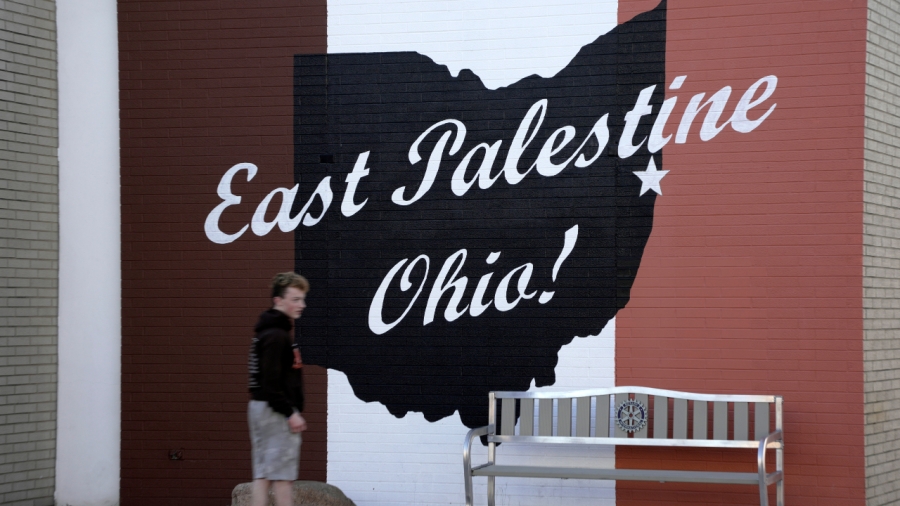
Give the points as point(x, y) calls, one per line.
point(583, 418)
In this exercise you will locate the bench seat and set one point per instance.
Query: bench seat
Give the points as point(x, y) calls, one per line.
point(625, 474)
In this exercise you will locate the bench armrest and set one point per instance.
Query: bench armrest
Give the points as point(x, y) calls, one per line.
point(467, 446)
point(467, 458)
point(778, 436)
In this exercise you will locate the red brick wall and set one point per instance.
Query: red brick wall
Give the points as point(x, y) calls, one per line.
point(751, 280)
point(204, 85)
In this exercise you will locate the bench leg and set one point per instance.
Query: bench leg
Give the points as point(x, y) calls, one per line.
point(491, 480)
point(779, 466)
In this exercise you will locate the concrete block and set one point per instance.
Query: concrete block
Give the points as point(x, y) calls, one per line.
point(306, 493)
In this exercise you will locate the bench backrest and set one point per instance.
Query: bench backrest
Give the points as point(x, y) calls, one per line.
point(675, 418)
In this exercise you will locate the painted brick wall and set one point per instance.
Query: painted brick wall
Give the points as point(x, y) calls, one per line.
point(203, 86)
point(378, 459)
point(881, 254)
point(373, 456)
point(751, 280)
point(28, 251)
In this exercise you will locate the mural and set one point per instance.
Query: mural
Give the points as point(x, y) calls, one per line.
point(478, 230)
point(461, 228)
point(460, 236)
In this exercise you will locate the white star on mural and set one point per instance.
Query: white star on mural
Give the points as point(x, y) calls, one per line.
point(650, 178)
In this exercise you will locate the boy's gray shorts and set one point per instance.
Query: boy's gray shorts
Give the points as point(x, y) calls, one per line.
point(275, 449)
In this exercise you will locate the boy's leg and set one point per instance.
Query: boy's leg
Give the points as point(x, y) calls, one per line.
point(260, 492)
point(283, 491)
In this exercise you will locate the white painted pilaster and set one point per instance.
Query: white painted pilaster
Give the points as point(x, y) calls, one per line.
point(90, 336)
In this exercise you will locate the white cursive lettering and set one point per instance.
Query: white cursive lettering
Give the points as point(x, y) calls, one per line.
point(211, 227)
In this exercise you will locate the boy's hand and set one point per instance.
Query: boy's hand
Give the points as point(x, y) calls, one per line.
point(298, 362)
point(297, 423)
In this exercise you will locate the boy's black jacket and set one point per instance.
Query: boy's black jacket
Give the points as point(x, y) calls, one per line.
point(272, 377)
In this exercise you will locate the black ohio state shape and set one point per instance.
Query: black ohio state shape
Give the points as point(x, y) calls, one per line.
point(380, 104)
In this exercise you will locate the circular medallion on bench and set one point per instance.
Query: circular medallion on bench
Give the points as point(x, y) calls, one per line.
point(631, 416)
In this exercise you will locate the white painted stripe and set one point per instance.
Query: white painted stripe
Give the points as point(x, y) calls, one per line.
point(378, 459)
point(374, 457)
point(501, 41)
point(89, 405)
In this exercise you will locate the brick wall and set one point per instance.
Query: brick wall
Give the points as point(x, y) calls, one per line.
point(203, 86)
point(501, 45)
point(750, 282)
point(423, 466)
point(881, 254)
point(28, 251)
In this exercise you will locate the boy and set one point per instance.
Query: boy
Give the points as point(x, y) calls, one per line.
point(276, 391)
